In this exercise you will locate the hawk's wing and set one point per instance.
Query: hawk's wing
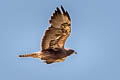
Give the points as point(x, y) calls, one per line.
point(59, 30)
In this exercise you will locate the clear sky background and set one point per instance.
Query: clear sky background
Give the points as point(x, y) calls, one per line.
point(95, 36)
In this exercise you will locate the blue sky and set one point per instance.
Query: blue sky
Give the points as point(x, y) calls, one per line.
point(95, 36)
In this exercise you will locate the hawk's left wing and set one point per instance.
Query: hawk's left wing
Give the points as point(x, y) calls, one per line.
point(59, 30)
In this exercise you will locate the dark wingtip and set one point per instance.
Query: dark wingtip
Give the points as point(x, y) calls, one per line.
point(68, 15)
point(65, 12)
point(62, 9)
point(58, 10)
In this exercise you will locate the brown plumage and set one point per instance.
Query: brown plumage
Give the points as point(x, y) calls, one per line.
point(54, 39)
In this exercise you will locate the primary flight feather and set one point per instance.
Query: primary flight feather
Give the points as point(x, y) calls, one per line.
point(54, 39)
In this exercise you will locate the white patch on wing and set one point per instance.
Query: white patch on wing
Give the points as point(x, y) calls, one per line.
point(58, 37)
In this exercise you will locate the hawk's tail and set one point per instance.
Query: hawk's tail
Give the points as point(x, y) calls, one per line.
point(34, 55)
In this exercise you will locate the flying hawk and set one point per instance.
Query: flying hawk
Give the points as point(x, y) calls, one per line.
point(54, 39)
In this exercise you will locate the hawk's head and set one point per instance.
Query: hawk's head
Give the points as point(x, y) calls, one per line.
point(70, 51)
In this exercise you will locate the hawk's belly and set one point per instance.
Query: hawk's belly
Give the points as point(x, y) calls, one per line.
point(52, 60)
point(59, 60)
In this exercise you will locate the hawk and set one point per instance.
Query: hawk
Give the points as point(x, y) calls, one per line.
point(54, 39)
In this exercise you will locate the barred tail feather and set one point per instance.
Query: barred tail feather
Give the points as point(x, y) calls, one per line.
point(34, 55)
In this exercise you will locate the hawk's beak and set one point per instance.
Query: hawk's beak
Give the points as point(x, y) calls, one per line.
point(75, 52)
